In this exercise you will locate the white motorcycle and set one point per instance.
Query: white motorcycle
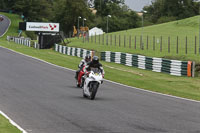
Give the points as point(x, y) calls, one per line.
point(91, 83)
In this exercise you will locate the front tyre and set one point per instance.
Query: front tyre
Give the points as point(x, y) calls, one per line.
point(94, 88)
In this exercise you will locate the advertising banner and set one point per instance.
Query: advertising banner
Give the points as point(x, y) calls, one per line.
point(37, 26)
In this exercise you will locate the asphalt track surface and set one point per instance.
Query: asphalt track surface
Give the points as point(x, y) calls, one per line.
point(42, 98)
point(4, 25)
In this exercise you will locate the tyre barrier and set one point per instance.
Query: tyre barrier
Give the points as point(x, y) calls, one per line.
point(73, 51)
point(172, 67)
point(23, 41)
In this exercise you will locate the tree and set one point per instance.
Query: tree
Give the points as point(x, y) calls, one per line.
point(178, 9)
point(66, 12)
point(34, 10)
point(122, 17)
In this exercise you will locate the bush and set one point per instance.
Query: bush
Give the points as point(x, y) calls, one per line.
point(31, 35)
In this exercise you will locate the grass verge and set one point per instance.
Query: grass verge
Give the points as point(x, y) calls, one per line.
point(6, 127)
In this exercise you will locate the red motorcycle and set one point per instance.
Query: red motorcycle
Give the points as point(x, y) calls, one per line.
point(79, 81)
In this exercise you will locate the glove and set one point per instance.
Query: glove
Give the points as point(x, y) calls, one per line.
point(103, 75)
point(87, 73)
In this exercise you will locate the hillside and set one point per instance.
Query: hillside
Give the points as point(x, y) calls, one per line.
point(13, 30)
point(187, 27)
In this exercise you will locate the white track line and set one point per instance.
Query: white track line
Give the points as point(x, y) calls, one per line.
point(12, 122)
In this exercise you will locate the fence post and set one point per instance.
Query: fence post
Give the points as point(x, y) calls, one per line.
point(103, 39)
point(147, 42)
point(140, 42)
point(161, 44)
point(177, 46)
point(95, 38)
point(153, 43)
point(111, 39)
point(195, 47)
point(168, 44)
point(130, 41)
point(106, 39)
point(186, 45)
point(99, 39)
point(115, 40)
point(119, 40)
point(135, 42)
point(124, 41)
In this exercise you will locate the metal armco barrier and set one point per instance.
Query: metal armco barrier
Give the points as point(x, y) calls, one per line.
point(22, 41)
point(73, 51)
point(173, 67)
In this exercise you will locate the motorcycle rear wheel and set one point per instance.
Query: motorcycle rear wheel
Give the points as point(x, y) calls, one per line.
point(85, 96)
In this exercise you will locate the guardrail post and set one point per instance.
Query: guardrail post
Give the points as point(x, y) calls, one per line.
point(193, 69)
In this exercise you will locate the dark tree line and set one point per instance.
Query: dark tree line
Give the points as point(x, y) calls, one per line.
point(66, 12)
point(167, 10)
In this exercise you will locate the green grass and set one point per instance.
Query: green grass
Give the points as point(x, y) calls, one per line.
point(6, 127)
point(187, 27)
point(158, 82)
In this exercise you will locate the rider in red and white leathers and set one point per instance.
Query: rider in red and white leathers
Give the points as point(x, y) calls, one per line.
point(82, 64)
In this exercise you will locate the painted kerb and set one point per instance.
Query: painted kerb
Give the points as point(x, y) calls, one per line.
point(73, 51)
point(172, 67)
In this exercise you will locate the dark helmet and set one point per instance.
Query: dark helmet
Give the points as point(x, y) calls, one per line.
point(87, 58)
point(95, 59)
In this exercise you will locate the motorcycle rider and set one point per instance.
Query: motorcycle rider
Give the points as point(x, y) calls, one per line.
point(94, 64)
point(82, 63)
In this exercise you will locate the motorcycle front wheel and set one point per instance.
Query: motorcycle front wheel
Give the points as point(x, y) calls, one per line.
point(93, 90)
